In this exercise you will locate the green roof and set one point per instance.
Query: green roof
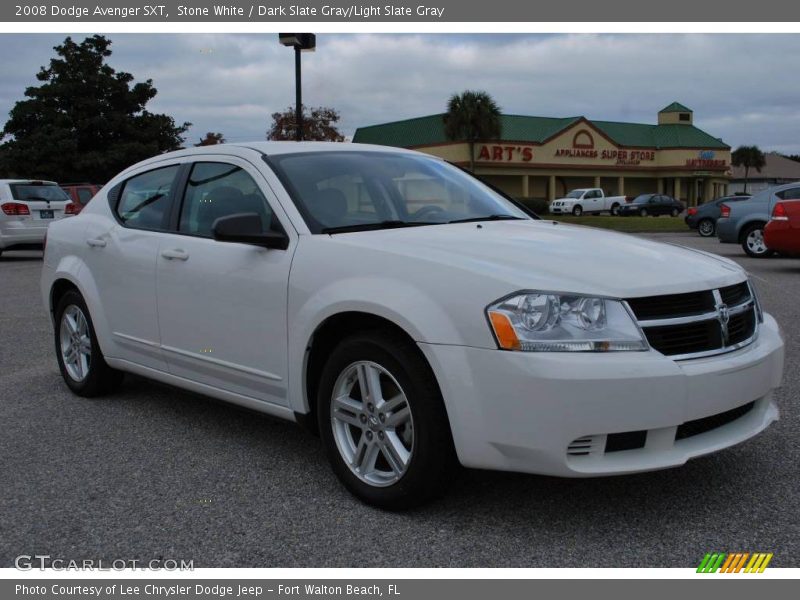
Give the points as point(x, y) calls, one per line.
point(675, 107)
point(429, 130)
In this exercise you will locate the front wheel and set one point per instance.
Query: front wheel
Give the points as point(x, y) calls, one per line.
point(753, 242)
point(706, 228)
point(577, 211)
point(643, 212)
point(79, 357)
point(383, 422)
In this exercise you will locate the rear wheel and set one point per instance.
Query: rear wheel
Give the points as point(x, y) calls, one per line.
point(79, 357)
point(615, 209)
point(706, 228)
point(675, 212)
point(753, 241)
point(383, 422)
point(577, 211)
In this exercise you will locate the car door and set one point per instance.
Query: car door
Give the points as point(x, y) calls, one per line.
point(121, 256)
point(593, 205)
point(222, 306)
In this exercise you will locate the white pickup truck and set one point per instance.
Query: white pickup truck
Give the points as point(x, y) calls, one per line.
point(586, 200)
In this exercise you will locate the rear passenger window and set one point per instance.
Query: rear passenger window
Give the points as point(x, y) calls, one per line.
point(145, 199)
point(790, 194)
point(84, 195)
point(217, 190)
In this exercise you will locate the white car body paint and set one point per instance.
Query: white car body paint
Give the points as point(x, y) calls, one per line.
point(258, 309)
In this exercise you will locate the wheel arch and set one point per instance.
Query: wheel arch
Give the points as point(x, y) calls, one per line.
point(756, 220)
point(324, 339)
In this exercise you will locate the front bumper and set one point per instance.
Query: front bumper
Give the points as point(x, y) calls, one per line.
point(517, 411)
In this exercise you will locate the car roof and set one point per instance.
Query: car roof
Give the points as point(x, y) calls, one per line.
point(40, 181)
point(243, 149)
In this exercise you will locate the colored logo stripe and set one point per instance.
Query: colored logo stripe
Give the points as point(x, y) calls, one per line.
point(734, 562)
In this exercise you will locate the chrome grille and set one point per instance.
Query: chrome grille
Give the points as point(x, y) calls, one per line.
point(698, 324)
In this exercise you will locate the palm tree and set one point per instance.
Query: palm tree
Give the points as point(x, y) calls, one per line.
point(472, 116)
point(749, 157)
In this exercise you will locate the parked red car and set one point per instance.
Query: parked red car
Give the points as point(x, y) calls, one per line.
point(782, 233)
point(80, 193)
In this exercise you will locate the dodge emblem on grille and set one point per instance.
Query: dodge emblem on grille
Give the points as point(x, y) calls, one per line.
point(724, 316)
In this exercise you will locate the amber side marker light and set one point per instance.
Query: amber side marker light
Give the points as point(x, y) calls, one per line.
point(504, 331)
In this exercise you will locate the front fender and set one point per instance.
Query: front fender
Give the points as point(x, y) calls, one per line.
point(407, 306)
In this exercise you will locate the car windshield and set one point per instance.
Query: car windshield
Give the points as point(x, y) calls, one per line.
point(644, 198)
point(340, 191)
point(575, 194)
point(49, 192)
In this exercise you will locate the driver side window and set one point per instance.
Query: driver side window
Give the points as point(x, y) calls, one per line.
point(217, 190)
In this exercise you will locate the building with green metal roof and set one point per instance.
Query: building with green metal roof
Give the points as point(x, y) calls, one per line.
point(545, 157)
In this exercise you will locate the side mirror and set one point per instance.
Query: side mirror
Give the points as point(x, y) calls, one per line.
point(247, 228)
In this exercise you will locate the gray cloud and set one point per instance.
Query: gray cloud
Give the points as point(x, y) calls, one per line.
point(741, 87)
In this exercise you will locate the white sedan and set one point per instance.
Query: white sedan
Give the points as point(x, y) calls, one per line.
point(411, 315)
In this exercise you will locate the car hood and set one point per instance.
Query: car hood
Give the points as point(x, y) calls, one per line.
point(552, 256)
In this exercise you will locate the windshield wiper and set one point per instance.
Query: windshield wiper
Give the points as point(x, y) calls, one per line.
point(489, 218)
point(390, 224)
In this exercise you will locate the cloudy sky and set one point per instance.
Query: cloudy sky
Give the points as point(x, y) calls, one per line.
point(743, 88)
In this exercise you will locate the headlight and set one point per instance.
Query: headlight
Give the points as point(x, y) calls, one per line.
point(551, 322)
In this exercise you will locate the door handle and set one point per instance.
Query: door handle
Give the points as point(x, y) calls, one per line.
point(96, 242)
point(175, 254)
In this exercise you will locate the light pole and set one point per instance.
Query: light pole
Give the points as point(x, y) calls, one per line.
point(301, 42)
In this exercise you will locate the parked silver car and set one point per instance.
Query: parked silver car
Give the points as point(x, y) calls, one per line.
point(26, 209)
point(743, 222)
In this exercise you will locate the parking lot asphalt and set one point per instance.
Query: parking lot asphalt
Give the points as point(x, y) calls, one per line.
point(154, 472)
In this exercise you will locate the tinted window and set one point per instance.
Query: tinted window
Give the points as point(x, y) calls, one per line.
point(84, 195)
point(145, 198)
point(38, 191)
point(353, 189)
point(790, 194)
point(643, 199)
point(217, 190)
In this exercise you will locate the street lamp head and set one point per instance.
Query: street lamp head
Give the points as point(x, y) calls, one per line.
point(304, 41)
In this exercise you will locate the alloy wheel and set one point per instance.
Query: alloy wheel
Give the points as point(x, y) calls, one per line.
point(75, 342)
point(755, 242)
point(372, 423)
point(706, 228)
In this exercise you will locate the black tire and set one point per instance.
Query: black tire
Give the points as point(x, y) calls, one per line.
point(433, 459)
point(707, 228)
point(101, 379)
point(750, 249)
point(577, 210)
point(674, 212)
point(643, 212)
point(615, 210)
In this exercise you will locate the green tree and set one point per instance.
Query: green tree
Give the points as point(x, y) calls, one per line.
point(472, 116)
point(86, 121)
point(749, 157)
point(319, 124)
point(211, 139)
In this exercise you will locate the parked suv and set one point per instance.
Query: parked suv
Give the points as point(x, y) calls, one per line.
point(703, 218)
point(743, 222)
point(411, 315)
point(651, 205)
point(27, 207)
point(80, 193)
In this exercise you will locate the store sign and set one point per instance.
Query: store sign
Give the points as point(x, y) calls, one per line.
point(706, 159)
point(503, 153)
point(620, 157)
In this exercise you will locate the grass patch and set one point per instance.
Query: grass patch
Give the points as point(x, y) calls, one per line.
point(628, 224)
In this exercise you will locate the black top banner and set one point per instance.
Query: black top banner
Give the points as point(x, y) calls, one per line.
point(403, 11)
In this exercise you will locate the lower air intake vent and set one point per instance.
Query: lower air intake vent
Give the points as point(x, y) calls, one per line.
point(583, 446)
point(692, 428)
